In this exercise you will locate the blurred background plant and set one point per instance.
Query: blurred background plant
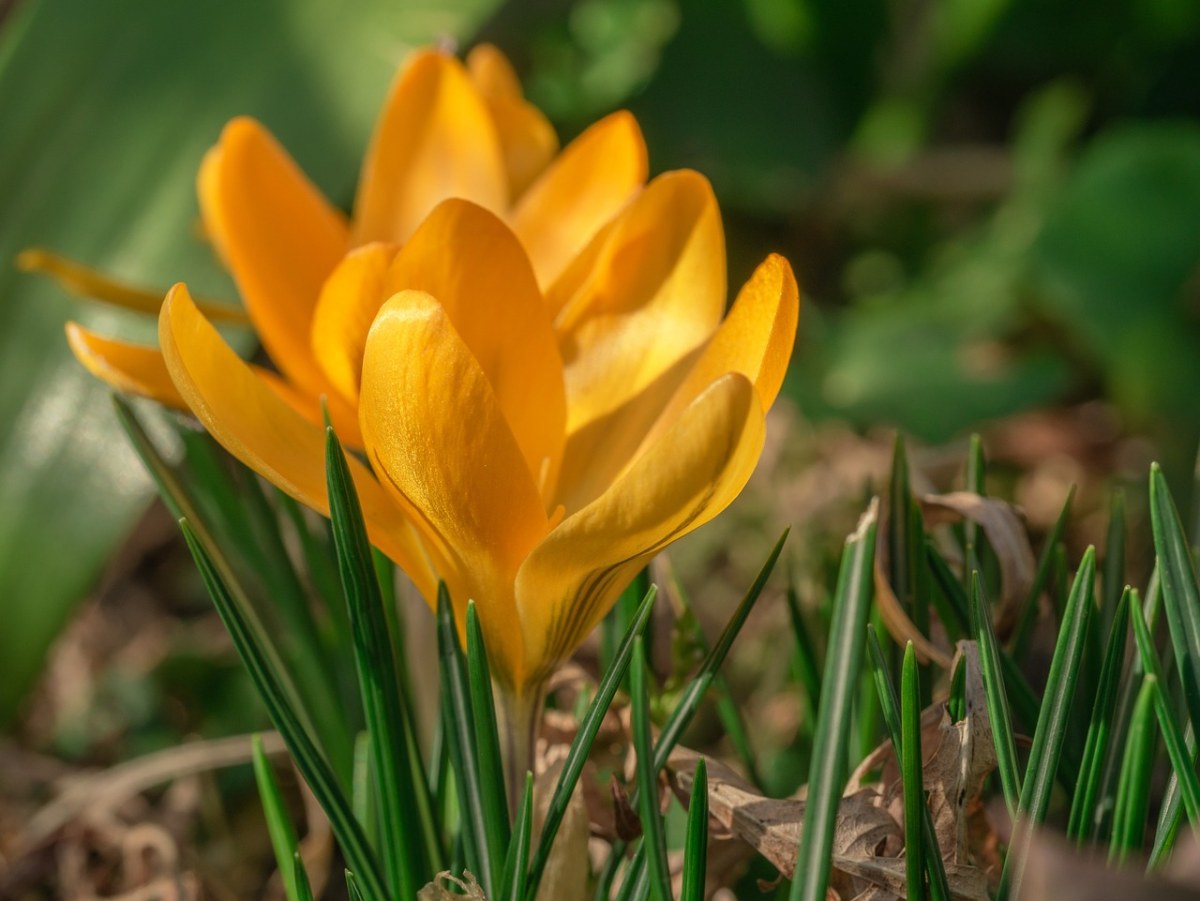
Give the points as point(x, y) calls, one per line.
point(993, 207)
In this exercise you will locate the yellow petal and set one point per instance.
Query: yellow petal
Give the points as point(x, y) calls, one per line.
point(83, 281)
point(437, 439)
point(131, 368)
point(254, 424)
point(279, 237)
point(698, 466)
point(436, 139)
point(589, 183)
point(653, 294)
point(527, 138)
point(351, 297)
point(470, 261)
point(755, 339)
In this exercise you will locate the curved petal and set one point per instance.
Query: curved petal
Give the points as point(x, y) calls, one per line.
point(755, 339)
point(435, 139)
point(655, 292)
point(279, 237)
point(527, 138)
point(470, 261)
point(438, 441)
point(591, 181)
point(691, 474)
point(131, 368)
point(254, 424)
point(350, 298)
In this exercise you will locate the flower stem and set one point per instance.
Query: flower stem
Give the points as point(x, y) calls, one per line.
point(518, 717)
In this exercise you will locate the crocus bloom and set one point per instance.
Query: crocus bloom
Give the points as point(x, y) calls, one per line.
point(532, 446)
point(447, 130)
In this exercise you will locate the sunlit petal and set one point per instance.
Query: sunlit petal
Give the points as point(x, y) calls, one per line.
point(474, 265)
point(436, 139)
point(254, 424)
point(654, 294)
point(686, 478)
point(279, 237)
point(131, 368)
point(438, 441)
point(526, 136)
point(590, 182)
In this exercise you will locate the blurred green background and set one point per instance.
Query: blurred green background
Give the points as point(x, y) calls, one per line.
point(993, 205)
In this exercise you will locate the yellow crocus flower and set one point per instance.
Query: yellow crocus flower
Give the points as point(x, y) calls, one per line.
point(446, 130)
point(532, 446)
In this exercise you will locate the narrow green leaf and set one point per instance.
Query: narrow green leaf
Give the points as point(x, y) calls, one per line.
point(1133, 795)
point(997, 697)
point(695, 848)
point(911, 774)
point(458, 719)
point(313, 765)
point(361, 786)
point(1052, 723)
point(487, 737)
point(806, 665)
point(582, 743)
point(279, 823)
point(977, 482)
point(1112, 576)
point(1029, 609)
point(1181, 595)
point(1182, 760)
point(517, 862)
point(304, 890)
point(935, 867)
point(654, 837)
point(352, 888)
point(1083, 804)
point(949, 595)
point(826, 777)
point(396, 796)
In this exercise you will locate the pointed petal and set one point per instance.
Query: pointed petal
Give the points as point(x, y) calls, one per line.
point(755, 339)
point(436, 139)
point(653, 295)
point(691, 474)
point(437, 439)
point(279, 237)
point(527, 138)
point(83, 281)
point(131, 368)
point(350, 298)
point(254, 424)
point(470, 261)
point(591, 181)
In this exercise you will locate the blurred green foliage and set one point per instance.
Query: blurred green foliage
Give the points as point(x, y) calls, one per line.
point(993, 205)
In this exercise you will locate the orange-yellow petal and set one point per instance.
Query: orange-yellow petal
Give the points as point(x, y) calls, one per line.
point(698, 466)
point(279, 237)
point(590, 182)
point(350, 298)
point(470, 261)
point(254, 424)
point(654, 293)
point(527, 138)
point(438, 441)
point(755, 339)
point(436, 139)
point(131, 368)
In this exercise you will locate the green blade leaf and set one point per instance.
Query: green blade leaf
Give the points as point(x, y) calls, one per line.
point(654, 837)
point(279, 823)
point(312, 764)
point(487, 737)
point(517, 863)
point(458, 720)
point(997, 697)
point(1052, 723)
point(695, 848)
point(826, 776)
point(396, 795)
point(1029, 609)
point(911, 774)
point(304, 890)
point(1133, 794)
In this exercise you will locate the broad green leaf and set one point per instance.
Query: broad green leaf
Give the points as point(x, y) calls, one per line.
point(107, 110)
